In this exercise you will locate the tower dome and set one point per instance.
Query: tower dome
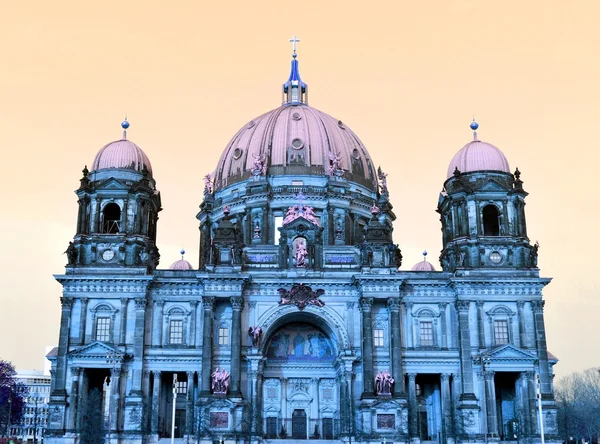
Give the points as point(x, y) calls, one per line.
point(478, 156)
point(295, 139)
point(181, 264)
point(423, 265)
point(122, 154)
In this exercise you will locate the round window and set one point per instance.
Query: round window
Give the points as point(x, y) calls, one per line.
point(237, 153)
point(495, 257)
point(107, 255)
point(297, 144)
point(296, 116)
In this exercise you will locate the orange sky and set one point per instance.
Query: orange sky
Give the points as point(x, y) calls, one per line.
point(405, 76)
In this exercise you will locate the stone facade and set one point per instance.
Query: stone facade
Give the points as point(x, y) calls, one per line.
point(299, 298)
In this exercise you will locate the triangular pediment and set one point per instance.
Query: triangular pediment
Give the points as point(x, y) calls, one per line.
point(113, 184)
point(94, 350)
point(301, 220)
point(510, 352)
point(492, 185)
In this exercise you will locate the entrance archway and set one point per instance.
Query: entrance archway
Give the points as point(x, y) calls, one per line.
point(301, 398)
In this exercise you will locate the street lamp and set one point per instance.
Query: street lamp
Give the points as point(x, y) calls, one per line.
point(112, 359)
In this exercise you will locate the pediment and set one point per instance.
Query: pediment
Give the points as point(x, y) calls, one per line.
point(113, 184)
point(492, 185)
point(301, 220)
point(510, 352)
point(94, 350)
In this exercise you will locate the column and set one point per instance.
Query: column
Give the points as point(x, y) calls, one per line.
point(158, 327)
point(82, 320)
point(155, 402)
point(83, 392)
point(124, 303)
point(63, 346)
point(208, 305)
point(194, 310)
point(447, 419)
point(367, 350)
point(532, 400)
point(442, 306)
point(147, 396)
point(138, 345)
point(464, 339)
point(73, 399)
point(542, 351)
point(480, 325)
point(115, 379)
point(255, 405)
point(490, 403)
point(409, 334)
point(314, 414)
point(189, 407)
point(284, 412)
point(396, 348)
point(237, 303)
point(521, 314)
point(412, 404)
point(523, 394)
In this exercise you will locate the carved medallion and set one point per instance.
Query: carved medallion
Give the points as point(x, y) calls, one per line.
point(301, 295)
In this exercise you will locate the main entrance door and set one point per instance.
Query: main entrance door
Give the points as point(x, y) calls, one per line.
point(299, 424)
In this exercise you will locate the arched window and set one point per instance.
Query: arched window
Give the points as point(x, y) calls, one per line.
point(491, 221)
point(111, 218)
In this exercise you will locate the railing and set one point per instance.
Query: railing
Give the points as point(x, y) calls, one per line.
point(302, 428)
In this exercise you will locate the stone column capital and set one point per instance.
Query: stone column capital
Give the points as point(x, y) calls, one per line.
point(140, 303)
point(237, 302)
point(411, 377)
point(193, 304)
point(463, 306)
point(75, 372)
point(66, 303)
point(408, 304)
point(442, 305)
point(489, 375)
point(366, 304)
point(520, 304)
point(445, 377)
point(393, 304)
point(124, 301)
point(85, 301)
point(190, 376)
point(538, 306)
point(480, 304)
point(349, 305)
point(156, 374)
point(159, 303)
point(208, 302)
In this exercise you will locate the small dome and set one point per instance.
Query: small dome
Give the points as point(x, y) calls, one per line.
point(478, 156)
point(122, 154)
point(423, 266)
point(181, 264)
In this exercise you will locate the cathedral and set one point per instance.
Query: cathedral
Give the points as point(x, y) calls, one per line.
point(301, 321)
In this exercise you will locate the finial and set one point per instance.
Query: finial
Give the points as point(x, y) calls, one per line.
point(424, 255)
point(300, 197)
point(293, 41)
point(517, 174)
point(125, 125)
point(182, 253)
point(474, 125)
point(85, 171)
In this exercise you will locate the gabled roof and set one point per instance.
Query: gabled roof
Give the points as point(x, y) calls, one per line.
point(94, 350)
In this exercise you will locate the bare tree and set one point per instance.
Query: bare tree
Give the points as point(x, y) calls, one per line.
point(578, 398)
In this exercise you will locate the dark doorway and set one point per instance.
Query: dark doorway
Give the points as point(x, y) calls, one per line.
point(299, 424)
point(327, 428)
point(509, 411)
point(111, 218)
point(271, 427)
point(179, 423)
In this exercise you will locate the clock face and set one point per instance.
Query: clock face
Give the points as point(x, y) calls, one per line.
point(495, 257)
point(107, 255)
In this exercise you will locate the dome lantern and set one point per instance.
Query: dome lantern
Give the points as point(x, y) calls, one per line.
point(295, 91)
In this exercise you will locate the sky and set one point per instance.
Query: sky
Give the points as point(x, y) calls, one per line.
point(407, 77)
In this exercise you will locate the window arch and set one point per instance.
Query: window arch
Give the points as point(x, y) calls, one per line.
point(111, 218)
point(426, 326)
point(500, 319)
point(223, 339)
point(103, 321)
point(491, 220)
point(176, 324)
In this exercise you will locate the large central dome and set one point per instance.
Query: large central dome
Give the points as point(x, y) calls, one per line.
point(295, 140)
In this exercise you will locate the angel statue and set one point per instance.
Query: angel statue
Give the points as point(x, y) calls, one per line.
point(208, 185)
point(335, 163)
point(382, 180)
point(260, 166)
point(256, 334)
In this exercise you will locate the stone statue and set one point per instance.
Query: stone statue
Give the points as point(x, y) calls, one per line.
point(256, 334)
point(71, 253)
point(334, 167)
point(533, 254)
point(291, 214)
point(375, 209)
point(220, 381)
point(260, 166)
point(301, 254)
point(309, 214)
point(382, 180)
point(208, 185)
point(384, 382)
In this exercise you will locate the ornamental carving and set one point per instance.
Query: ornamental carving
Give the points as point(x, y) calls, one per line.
point(393, 304)
point(538, 306)
point(463, 306)
point(301, 295)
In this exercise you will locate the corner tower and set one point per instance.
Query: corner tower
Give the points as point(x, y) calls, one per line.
point(118, 209)
point(482, 208)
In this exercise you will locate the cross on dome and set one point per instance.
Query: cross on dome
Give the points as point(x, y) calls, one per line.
point(293, 41)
